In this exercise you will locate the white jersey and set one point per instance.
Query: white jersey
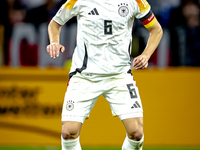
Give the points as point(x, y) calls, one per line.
point(104, 34)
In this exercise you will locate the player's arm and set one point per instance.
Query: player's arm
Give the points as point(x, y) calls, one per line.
point(68, 10)
point(156, 32)
point(54, 35)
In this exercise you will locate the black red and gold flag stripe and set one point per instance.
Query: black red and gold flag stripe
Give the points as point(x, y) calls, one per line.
point(149, 20)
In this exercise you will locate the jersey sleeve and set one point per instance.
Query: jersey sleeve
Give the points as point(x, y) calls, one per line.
point(144, 13)
point(67, 11)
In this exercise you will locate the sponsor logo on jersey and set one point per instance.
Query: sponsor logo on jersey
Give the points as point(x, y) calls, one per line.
point(123, 9)
point(93, 12)
point(136, 105)
point(70, 105)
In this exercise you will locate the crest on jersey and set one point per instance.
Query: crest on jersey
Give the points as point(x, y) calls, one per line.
point(70, 105)
point(123, 9)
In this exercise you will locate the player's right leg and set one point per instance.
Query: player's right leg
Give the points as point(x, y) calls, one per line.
point(70, 135)
point(79, 99)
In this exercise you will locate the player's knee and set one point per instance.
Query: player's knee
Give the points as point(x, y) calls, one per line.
point(70, 132)
point(136, 134)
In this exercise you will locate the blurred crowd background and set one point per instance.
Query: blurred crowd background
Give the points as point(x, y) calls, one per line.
point(23, 33)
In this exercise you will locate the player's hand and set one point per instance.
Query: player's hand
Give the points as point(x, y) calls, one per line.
point(141, 62)
point(54, 49)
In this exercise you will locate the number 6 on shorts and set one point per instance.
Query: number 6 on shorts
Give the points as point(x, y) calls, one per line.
point(132, 90)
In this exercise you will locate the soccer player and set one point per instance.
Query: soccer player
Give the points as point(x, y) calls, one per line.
point(101, 64)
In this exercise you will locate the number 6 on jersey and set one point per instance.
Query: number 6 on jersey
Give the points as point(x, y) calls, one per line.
point(107, 27)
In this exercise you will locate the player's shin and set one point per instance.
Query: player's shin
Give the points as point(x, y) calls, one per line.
point(132, 145)
point(72, 144)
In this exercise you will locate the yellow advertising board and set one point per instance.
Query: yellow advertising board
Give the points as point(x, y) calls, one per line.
point(30, 106)
point(31, 102)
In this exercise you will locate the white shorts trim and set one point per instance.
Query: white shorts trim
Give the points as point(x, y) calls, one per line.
point(73, 118)
point(131, 115)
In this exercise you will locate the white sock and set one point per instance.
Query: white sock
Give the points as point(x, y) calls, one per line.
point(132, 145)
point(70, 144)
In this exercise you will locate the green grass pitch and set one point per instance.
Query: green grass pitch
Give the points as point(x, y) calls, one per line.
point(58, 148)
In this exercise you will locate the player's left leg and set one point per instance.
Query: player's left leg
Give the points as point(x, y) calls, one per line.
point(79, 100)
point(125, 102)
point(134, 129)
